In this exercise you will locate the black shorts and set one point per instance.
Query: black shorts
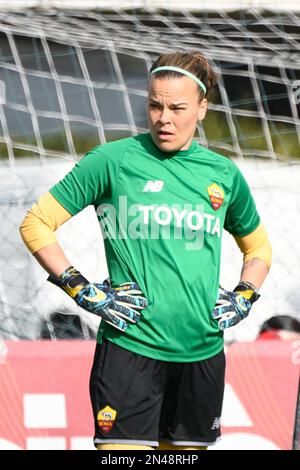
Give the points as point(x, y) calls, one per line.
point(139, 400)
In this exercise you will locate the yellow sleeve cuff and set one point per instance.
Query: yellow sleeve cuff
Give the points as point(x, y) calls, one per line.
point(41, 221)
point(256, 245)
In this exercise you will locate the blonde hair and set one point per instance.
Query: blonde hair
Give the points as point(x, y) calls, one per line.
point(193, 62)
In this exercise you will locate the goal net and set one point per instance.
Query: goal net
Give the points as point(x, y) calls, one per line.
point(72, 79)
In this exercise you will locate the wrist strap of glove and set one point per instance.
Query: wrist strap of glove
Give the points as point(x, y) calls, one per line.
point(71, 281)
point(247, 290)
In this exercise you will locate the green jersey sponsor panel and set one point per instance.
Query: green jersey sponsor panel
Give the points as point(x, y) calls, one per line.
point(162, 217)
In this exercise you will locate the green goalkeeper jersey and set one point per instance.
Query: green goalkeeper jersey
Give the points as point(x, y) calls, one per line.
point(162, 215)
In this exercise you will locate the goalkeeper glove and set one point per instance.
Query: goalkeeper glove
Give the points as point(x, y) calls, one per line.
point(232, 307)
point(114, 306)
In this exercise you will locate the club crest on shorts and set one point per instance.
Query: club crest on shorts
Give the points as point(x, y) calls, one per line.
point(106, 418)
point(216, 196)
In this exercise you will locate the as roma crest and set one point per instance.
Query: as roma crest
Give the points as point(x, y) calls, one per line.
point(106, 418)
point(216, 195)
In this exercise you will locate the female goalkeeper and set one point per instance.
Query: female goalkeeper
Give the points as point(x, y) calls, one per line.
point(162, 201)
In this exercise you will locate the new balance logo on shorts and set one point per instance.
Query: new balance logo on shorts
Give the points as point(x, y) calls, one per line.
point(153, 186)
point(216, 423)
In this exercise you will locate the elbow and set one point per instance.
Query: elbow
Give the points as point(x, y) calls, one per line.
point(256, 245)
point(269, 255)
point(35, 233)
point(23, 227)
point(263, 253)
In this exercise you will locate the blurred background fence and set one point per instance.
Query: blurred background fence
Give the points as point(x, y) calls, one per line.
point(73, 77)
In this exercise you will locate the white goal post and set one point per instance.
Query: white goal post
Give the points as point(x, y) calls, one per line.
point(174, 5)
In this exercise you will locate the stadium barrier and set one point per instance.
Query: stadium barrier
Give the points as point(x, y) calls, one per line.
point(49, 408)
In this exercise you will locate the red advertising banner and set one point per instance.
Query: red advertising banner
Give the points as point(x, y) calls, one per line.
point(44, 395)
point(260, 395)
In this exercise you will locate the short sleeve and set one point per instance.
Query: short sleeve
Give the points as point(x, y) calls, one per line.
point(90, 180)
point(241, 217)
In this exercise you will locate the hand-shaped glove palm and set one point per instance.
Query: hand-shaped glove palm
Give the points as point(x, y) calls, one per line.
point(114, 306)
point(232, 307)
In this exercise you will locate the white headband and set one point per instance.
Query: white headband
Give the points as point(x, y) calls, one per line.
point(183, 71)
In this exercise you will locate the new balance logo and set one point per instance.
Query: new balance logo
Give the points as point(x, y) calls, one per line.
point(216, 423)
point(153, 186)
